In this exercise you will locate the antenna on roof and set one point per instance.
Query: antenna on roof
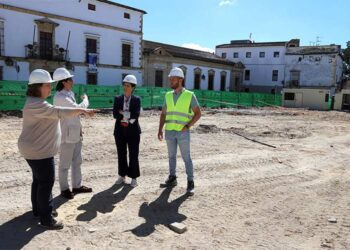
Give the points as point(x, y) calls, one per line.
point(318, 41)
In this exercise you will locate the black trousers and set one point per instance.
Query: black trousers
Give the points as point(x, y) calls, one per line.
point(125, 142)
point(43, 179)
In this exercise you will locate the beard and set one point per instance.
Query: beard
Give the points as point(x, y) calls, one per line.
point(174, 85)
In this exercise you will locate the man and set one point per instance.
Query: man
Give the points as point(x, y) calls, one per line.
point(180, 112)
point(71, 141)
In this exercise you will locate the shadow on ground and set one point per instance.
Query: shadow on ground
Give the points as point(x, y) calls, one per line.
point(159, 212)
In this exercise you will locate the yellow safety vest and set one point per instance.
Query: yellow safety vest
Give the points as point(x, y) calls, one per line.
point(177, 116)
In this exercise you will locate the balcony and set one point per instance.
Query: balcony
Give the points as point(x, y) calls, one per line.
point(33, 51)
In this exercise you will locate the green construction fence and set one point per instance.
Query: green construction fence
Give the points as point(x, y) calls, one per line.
point(13, 96)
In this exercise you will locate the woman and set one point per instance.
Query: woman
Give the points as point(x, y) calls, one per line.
point(126, 111)
point(39, 143)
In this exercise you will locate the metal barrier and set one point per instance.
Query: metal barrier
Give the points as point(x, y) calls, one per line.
point(13, 96)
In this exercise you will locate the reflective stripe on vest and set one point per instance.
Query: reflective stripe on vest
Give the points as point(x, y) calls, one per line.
point(179, 114)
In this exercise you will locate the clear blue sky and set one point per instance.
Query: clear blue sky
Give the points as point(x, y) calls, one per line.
point(211, 22)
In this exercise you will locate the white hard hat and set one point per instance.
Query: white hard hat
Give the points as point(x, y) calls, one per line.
point(61, 74)
point(176, 72)
point(130, 79)
point(40, 76)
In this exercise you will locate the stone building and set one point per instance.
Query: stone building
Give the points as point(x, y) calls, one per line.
point(203, 70)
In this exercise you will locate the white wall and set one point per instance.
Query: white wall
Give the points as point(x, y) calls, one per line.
point(105, 13)
point(105, 76)
point(10, 72)
point(189, 81)
point(315, 70)
point(260, 68)
point(308, 98)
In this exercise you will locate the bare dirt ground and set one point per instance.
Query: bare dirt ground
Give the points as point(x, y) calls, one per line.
point(248, 195)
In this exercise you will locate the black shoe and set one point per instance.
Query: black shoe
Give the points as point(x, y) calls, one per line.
point(170, 182)
point(190, 188)
point(67, 194)
point(52, 225)
point(82, 189)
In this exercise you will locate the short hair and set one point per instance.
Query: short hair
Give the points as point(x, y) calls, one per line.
point(33, 90)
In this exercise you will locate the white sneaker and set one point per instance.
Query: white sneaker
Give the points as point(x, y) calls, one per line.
point(133, 183)
point(120, 180)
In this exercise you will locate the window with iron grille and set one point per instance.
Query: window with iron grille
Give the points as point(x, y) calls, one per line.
point(274, 75)
point(247, 75)
point(126, 55)
point(248, 54)
point(91, 78)
point(46, 45)
point(210, 81)
point(159, 78)
point(197, 80)
point(2, 39)
point(223, 55)
point(276, 54)
point(235, 55)
point(92, 7)
point(289, 96)
point(91, 47)
point(262, 54)
point(223, 82)
point(126, 15)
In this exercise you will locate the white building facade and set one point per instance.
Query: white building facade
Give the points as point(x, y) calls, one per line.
point(264, 63)
point(314, 67)
point(98, 40)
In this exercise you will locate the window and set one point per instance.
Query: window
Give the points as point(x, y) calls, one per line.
point(211, 74)
point(247, 75)
point(223, 81)
point(126, 55)
point(235, 55)
point(159, 78)
point(274, 75)
point(262, 54)
point(91, 78)
point(91, 48)
point(223, 55)
point(197, 80)
point(276, 54)
point(248, 54)
point(184, 69)
point(45, 45)
point(2, 39)
point(294, 78)
point(326, 97)
point(92, 7)
point(126, 15)
point(289, 96)
point(1, 73)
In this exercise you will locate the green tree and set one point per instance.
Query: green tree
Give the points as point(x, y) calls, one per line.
point(346, 53)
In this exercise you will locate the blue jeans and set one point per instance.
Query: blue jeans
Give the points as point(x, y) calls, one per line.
point(43, 179)
point(174, 138)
